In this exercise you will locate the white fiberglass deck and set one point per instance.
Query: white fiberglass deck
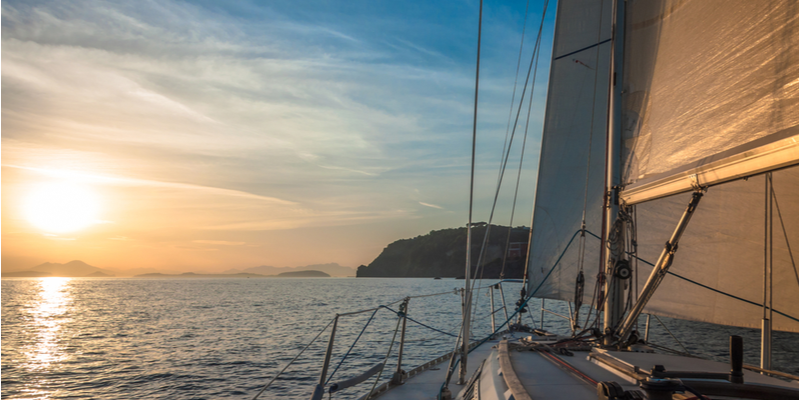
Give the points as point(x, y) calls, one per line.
point(544, 379)
point(426, 384)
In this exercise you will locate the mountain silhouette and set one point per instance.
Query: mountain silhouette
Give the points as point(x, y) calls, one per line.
point(75, 268)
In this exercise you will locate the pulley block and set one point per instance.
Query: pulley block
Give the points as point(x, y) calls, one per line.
point(623, 269)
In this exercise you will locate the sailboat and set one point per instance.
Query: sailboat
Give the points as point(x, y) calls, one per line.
point(668, 186)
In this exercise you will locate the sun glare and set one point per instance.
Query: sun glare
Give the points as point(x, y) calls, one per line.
point(61, 207)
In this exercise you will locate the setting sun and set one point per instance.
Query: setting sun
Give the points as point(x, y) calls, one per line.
point(61, 207)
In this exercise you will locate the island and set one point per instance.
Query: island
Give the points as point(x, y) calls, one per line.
point(303, 274)
point(192, 275)
point(72, 269)
point(442, 253)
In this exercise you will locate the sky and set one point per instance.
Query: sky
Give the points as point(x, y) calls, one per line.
point(217, 134)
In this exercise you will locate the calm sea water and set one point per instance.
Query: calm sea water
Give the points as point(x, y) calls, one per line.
point(226, 338)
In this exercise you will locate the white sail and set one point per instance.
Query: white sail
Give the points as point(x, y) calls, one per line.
point(710, 96)
point(722, 253)
point(574, 136)
point(710, 93)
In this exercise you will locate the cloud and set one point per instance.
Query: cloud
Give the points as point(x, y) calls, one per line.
point(219, 242)
point(117, 180)
point(349, 170)
point(200, 119)
point(431, 205)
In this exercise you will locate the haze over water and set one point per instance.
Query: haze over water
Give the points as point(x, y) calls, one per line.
point(226, 338)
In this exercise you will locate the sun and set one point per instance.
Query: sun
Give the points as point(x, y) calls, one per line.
point(61, 207)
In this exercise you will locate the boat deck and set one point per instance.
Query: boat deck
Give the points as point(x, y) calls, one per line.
point(550, 375)
point(426, 384)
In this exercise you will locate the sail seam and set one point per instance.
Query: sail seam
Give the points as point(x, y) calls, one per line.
point(585, 48)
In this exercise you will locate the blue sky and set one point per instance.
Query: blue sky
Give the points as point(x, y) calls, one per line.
point(222, 134)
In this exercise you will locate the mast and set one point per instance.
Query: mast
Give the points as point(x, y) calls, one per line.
point(613, 285)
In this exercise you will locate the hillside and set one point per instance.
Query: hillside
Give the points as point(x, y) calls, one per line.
point(443, 253)
point(75, 268)
point(303, 274)
point(192, 275)
point(332, 269)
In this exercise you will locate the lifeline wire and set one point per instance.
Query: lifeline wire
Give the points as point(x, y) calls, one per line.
point(385, 359)
point(293, 360)
point(420, 323)
point(353, 345)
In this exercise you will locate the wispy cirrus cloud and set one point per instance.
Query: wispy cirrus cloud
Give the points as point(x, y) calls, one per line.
point(238, 117)
point(431, 205)
point(219, 242)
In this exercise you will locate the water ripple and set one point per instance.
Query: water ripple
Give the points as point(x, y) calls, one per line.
point(225, 338)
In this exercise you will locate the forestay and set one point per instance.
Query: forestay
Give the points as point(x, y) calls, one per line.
point(574, 135)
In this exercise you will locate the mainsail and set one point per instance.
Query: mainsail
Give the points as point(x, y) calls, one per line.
point(711, 95)
point(710, 99)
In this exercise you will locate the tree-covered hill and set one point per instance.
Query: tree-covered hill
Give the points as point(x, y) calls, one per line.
point(443, 253)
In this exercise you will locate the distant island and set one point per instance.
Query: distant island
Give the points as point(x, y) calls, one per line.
point(72, 269)
point(303, 274)
point(293, 274)
point(26, 274)
point(80, 269)
point(442, 253)
point(194, 275)
point(332, 269)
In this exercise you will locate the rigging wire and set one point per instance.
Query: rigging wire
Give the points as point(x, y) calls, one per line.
point(516, 77)
point(671, 334)
point(508, 150)
point(467, 294)
point(578, 295)
point(352, 346)
point(717, 290)
point(293, 360)
point(783, 227)
point(522, 151)
point(388, 353)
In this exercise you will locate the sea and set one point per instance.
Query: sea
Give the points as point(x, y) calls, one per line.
point(118, 338)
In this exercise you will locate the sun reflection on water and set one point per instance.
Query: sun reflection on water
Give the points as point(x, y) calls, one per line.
point(48, 316)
